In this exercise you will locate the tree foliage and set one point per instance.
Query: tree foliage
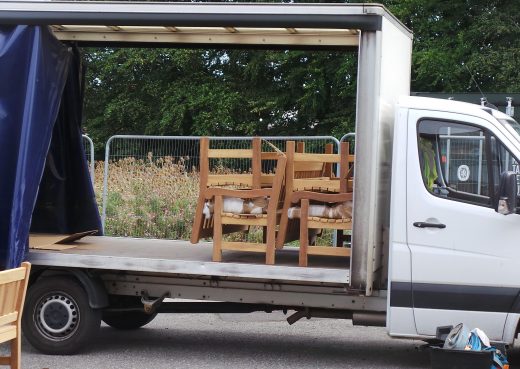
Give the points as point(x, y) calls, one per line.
point(177, 91)
point(454, 40)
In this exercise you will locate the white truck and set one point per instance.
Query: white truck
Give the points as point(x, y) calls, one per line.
point(434, 226)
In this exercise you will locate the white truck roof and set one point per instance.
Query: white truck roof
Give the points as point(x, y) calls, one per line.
point(428, 103)
point(206, 23)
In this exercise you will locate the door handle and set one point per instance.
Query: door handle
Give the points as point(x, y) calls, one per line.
point(429, 225)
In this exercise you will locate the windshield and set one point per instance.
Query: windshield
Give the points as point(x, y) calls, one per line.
point(512, 126)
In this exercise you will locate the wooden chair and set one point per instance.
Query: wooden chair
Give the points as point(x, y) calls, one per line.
point(215, 187)
point(303, 184)
point(13, 286)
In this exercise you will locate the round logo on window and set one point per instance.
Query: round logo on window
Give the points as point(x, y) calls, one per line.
point(463, 173)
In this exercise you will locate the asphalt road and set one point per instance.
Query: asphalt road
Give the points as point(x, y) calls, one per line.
point(240, 341)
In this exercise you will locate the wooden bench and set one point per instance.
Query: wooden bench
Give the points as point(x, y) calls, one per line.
point(310, 179)
point(13, 286)
point(215, 187)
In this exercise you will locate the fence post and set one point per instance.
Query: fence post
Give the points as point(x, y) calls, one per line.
point(91, 149)
point(105, 182)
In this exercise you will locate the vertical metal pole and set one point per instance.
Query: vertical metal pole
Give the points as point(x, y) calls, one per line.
point(105, 183)
point(479, 177)
point(448, 149)
point(91, 149)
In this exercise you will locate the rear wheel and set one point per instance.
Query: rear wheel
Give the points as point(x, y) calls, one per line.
point(57, 317)
point(127, 320)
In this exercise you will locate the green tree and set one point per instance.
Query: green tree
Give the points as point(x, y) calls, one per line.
point(247, 92)
point(218, 92)
point(456, 39)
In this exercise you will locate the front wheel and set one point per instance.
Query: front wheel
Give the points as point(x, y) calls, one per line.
point(57, 317)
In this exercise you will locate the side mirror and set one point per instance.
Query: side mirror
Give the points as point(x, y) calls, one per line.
point(507, 193)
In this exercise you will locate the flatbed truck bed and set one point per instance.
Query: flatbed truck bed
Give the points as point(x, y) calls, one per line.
point(178, 269)
point(183, 258)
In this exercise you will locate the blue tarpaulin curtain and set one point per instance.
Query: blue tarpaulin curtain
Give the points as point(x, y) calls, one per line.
point(66, 201)
point(33, 72)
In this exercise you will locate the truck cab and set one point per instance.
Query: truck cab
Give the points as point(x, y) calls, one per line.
point(453, 249)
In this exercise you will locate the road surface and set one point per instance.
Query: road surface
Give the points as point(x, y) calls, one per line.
point(230, 341)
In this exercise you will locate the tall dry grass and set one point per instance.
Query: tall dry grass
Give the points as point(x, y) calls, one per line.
point(152, 198)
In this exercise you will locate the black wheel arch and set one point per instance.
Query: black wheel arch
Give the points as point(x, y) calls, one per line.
point(91, 283)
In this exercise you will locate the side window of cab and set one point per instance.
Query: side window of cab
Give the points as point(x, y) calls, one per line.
point(454, 161)
point(463, 162)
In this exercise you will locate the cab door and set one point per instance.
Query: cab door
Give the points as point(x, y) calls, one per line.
point(464, 254)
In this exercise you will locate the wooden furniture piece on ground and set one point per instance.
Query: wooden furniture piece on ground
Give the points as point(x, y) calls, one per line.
point(13, 286)
point(215, 187)
point(305, 183)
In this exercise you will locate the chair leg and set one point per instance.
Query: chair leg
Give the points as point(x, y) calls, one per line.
point(270, 238)
point(339, 238)
point(199, 221)
point(282, 230)
point(5, 360)
point(304, 232)
point(217, 229)
point(16, 348)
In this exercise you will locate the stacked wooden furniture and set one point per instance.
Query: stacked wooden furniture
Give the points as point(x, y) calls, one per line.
point(309, 178)
point(13, 286)
point(215, 187)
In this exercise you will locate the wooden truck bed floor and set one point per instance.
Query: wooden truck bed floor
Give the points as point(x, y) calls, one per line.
point(184, 258)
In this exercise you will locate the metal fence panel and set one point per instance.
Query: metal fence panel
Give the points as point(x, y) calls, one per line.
point(88, 147)
point(151, 183)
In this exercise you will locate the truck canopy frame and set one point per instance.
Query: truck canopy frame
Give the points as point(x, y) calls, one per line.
point(384, 62)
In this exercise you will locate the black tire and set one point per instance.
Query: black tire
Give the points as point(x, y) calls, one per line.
point(127, 320)
point(57, 317)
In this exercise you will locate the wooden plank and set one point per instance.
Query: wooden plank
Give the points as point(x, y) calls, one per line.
point(3, 298)
point(322, 197)
point(319, 225)
point(244, 221)
point(344, 166)
point(244, 216)
point(289, 177)
point(230, 153)
point(265, 155)
point(273, 209)
point(309, 166)
point(204, 164)
point(256, 162)
point(5, 360)
point(327, 170)
point(217, 229)
point(242, 194)
point(322, 158)
point(244, 246)
point(12, 275)
point(9, 304)
point(267, 179)
point(304, 234)
point(310, 184)
point(328, 251)
point(230, 179)
point(22, 291)
point(7, 333)
point(200, 223)
point(8, 318)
